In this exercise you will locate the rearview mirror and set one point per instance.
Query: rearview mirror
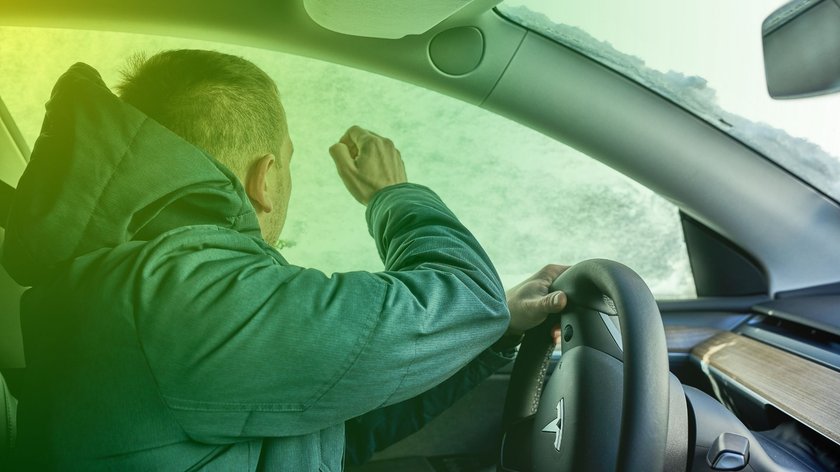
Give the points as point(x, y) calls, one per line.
point(802, 49)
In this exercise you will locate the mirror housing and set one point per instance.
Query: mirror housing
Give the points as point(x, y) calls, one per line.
point(802, 49)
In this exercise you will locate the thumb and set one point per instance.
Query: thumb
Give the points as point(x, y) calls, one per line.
point(341, 155)
point(551, 303)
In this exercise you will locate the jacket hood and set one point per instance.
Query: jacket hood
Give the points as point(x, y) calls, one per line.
point(102, 173)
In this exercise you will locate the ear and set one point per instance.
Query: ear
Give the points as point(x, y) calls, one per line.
point(256, 183)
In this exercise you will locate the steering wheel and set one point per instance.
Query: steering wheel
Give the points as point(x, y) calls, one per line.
point(606, 406)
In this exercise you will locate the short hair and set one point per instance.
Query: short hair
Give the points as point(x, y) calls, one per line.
point(221, 103)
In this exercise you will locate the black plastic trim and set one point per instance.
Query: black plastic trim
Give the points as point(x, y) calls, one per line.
point(817, 290)
point(821, 313)
point(717, 304)
point(720, 268)
point(7, 194)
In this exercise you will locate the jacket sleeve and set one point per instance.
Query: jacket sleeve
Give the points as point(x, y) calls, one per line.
point(242, 345)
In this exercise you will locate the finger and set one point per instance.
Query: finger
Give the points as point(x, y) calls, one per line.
point(341, 155)
point(387, 142)
point(351, 146)
point(551, 303)
point(557, 301)
point(364, 146)
point(556, 334)
point(353, 137)
point(356, 133)
point(552, 271)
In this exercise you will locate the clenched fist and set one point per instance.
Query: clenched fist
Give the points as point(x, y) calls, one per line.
point(367, 163)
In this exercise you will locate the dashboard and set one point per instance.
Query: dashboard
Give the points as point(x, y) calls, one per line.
point(778, 371)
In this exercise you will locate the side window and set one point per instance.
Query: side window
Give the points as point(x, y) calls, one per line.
point(529, 199)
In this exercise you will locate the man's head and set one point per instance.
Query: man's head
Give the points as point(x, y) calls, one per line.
point(228, 107)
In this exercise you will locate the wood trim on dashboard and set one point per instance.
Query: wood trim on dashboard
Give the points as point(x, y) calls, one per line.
point(685, 338)
point(805, 390)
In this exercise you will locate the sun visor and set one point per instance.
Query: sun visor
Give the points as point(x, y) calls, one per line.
point(389, 19)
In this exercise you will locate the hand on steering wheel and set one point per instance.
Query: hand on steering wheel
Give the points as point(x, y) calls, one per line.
point(532, 300)
point(606, 406)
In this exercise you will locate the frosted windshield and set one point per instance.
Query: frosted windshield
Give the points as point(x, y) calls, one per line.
point(494, 173)
point(707, 57)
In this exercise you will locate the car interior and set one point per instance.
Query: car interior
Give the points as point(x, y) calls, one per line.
point(743, 376)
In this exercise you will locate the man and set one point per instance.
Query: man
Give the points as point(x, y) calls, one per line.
point(163, 331)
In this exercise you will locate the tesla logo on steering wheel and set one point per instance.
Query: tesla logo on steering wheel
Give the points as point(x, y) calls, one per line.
point(556, 426)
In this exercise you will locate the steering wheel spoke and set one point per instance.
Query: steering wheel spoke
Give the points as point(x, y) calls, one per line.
point(580, 411)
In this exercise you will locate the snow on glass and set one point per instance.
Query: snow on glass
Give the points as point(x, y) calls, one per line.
point(802, 157)
point(529, 199)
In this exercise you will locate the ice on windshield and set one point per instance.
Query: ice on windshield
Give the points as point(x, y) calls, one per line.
point(802, 157)
point(530, 200)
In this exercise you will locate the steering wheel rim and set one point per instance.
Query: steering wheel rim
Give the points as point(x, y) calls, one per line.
point(595, 287)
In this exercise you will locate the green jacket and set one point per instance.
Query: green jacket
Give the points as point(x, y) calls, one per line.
point(162, 333)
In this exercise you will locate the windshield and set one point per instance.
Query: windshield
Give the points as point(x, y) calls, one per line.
point(494, 173)
point(707, 57)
